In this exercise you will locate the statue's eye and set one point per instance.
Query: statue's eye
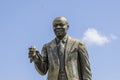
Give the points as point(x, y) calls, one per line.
point(60, 24)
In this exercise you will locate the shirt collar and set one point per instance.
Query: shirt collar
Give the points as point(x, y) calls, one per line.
point(64, 40)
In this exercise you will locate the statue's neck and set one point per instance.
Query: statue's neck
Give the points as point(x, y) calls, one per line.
point(61, 37)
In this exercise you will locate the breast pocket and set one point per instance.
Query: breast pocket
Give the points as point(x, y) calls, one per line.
point(73, 54)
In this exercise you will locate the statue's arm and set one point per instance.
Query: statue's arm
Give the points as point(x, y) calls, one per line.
point(41, 64)
point(84, 62)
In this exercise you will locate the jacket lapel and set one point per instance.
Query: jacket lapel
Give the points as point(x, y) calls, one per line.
point(69, 46)
point(54, 51)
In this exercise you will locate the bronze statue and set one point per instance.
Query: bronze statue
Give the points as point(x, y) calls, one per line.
point(64, 58)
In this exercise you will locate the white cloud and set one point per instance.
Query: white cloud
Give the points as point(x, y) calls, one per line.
point(92, 36)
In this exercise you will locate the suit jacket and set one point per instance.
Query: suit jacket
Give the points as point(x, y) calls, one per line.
point(77, 64)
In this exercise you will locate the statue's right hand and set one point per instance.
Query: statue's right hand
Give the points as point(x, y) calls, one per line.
point(33, 54)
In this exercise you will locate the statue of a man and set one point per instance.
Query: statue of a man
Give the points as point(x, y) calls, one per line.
point(64, 58)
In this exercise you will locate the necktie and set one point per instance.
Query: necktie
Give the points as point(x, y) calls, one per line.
point(61, 47)
point(62, 73)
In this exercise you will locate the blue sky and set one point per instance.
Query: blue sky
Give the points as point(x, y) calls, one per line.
point(29, 22)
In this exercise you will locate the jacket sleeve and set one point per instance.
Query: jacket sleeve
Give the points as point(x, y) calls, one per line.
point(84, 63)
point(42, 64)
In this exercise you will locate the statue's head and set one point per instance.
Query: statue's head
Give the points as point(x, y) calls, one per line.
point(60, 26)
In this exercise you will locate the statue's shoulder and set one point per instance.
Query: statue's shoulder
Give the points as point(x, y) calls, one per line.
point(79, 41)
point(80, 44)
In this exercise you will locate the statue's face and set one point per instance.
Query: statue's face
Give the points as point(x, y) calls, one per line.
point(60, 27)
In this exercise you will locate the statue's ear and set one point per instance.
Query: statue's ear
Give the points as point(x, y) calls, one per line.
point(67, 27)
